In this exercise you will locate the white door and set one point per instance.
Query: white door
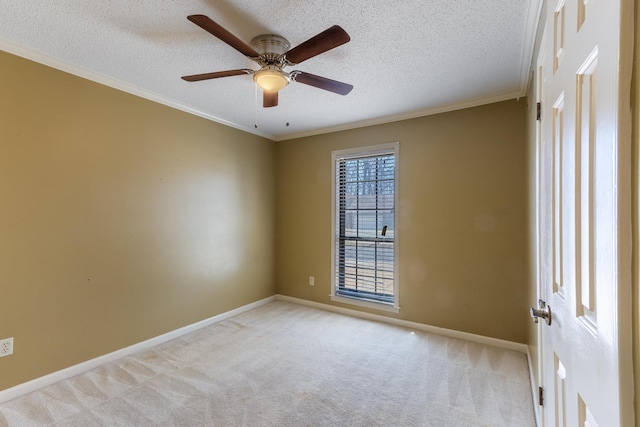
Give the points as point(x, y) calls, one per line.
point(584, 217)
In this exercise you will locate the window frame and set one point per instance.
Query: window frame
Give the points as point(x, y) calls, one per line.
point(352, 153)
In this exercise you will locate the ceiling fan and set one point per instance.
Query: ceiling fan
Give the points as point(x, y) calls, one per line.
point(273, 54)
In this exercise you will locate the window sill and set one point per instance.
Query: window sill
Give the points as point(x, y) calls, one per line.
point(369, 304)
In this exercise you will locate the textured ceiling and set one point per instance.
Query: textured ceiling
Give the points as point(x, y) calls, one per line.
point(406, 58)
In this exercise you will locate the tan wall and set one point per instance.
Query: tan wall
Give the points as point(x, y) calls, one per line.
point(120, 219)
point(462, 217)
point(636, 216)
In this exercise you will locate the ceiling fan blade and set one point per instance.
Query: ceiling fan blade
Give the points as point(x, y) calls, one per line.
point(321, 82)
point(218, 74)
point(270, 99)
point(214, 28)
point(326, 40)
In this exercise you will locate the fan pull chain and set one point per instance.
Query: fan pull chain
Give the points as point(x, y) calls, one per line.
point(255, 92)
point(286, 99)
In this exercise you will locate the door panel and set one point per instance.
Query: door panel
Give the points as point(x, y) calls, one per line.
point(579, 220)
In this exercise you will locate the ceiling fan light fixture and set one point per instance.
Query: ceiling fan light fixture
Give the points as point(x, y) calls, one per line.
point(271, 79)
point(273, 53)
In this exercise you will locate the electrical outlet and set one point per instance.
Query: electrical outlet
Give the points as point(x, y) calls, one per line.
point(6, 347)
point(312, 281)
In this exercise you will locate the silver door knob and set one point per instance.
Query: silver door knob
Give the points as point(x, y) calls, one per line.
point(544, 312)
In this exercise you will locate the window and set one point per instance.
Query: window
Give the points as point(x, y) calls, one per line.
point(364, 225)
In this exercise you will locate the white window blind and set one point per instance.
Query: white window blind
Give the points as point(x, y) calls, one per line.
point(365, 225)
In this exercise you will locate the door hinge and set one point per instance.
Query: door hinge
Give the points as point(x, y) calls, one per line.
point(540, 396)
point(538, 111)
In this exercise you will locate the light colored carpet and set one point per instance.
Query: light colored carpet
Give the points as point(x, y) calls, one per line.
point(283, 364)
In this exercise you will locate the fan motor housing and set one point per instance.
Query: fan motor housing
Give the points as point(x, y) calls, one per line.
point(270, 43)
point(271, 47)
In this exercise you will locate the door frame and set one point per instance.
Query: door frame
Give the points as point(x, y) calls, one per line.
point(625, 217)
point(539, 63)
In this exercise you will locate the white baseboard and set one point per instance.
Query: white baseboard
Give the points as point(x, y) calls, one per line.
point(72, 371)
point(495, 342)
